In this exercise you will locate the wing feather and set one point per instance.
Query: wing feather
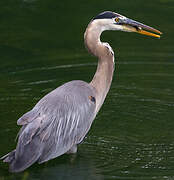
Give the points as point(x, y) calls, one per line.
point(61, 119)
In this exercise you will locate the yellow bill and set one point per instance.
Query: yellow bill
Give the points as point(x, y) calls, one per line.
point(141, 31)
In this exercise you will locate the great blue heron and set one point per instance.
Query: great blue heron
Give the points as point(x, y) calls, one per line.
point(62, 118)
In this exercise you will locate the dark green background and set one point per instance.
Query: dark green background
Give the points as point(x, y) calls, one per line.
point(41, 47)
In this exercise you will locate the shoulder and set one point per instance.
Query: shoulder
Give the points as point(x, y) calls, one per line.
point(76, 87)
point(69, 94)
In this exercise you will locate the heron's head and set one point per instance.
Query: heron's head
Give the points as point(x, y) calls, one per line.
point(112, 21)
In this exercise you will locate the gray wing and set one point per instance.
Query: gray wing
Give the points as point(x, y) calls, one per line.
point(58, 121)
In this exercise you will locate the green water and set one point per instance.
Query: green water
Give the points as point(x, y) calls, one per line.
point(41, 47)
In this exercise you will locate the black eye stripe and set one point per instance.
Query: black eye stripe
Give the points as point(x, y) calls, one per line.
point(107, 15)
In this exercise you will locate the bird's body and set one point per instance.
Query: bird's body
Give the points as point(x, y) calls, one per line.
point(56, 124)
point(61, 119)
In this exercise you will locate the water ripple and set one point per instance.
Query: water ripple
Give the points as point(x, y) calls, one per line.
point(90, 64)
point(55, 67)
point(122, 158)
point(41, 82)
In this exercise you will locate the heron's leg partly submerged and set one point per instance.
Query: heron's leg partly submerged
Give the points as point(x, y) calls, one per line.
point(72, 150)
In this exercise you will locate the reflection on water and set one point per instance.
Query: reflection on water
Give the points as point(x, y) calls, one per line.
point(132, 136)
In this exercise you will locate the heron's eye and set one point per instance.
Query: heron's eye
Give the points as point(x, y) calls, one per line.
point(117, 19)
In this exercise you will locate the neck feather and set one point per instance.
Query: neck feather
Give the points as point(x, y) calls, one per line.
point(104, 73)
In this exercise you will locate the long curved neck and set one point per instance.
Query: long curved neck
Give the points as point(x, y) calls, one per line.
point(104, 73)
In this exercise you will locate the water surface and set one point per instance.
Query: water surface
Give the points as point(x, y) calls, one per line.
point(41, 47)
